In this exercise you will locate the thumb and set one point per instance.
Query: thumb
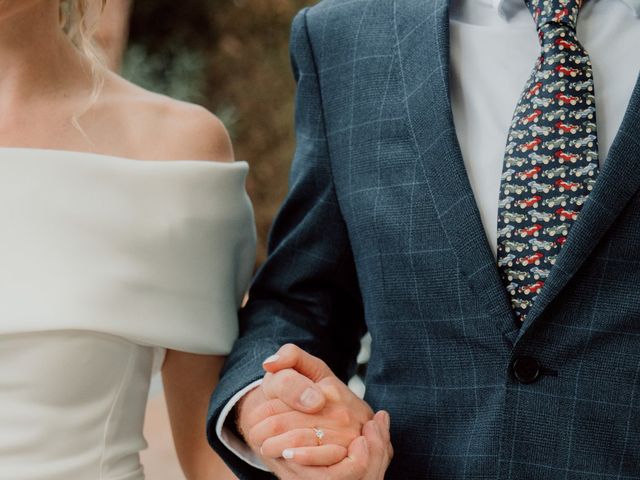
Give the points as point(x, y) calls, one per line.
point(292, 356)
point(359, 450)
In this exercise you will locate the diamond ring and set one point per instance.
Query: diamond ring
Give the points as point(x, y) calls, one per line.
point(319, 434)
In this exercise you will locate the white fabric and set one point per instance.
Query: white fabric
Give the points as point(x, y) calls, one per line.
point(493, 49)
point(106, 262)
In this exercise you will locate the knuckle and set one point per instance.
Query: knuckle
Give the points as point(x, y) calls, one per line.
point(299, 439)
point(271, 408)
point(290, 350)
point(267, 384)
point(282, 383)
point(288, 378)
point(275, 426)
point(332, 382)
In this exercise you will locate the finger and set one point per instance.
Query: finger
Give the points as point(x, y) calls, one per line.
point(295, 390)
point(301, 437)
point(337, 391)
point(265, 410)
point(292, 356)
point(372, 432)
point(383, 420)
point(283, 469)
point(324, 455)
point(354, 466)
point(279, 424)
point(302, 471)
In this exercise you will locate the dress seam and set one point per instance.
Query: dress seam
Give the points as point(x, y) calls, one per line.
point(125, 375)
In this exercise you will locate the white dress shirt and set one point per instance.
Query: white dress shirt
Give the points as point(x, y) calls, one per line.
point(494, 47)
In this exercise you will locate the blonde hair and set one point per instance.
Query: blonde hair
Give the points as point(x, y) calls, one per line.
point(79, 20)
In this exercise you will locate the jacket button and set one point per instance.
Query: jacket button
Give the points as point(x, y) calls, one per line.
point(526, 369)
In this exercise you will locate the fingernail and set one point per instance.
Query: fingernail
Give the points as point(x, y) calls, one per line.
point(272, 359)
point(310, 398)
point(288, 453)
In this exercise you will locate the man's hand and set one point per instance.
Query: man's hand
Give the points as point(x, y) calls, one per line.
point(300, 393)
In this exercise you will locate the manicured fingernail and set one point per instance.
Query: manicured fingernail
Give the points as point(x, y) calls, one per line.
point(272, 359)
point(288, 453)
point(310, 398)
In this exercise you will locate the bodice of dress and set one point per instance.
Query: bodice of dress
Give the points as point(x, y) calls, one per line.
point(105, 262)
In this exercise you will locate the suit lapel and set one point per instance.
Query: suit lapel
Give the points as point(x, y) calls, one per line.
point(422, 37)
point(617, 182)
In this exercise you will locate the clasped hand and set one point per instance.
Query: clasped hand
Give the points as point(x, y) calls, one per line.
point(299, 399)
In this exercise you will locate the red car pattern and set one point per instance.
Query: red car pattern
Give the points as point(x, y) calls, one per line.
point(562, 70)
point(532, 117)
point(533, 173)
point(535, 89)
point(565, 128)
point(552, 106)
point(566, 214)
point(532, 145)
point(530, 259)
point(562, 99)
point(534, 287)
point(562, 43)
point(562, 185)
point(529, 202)
point(562, 156)
point(529, 231)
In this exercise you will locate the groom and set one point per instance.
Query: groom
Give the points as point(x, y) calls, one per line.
point(511, 354)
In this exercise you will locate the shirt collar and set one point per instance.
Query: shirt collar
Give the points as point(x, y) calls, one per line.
point(507, 8)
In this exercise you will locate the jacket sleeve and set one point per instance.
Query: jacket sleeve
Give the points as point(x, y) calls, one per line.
point(307, 291)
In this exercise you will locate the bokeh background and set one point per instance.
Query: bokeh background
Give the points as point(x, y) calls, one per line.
point(230, 56)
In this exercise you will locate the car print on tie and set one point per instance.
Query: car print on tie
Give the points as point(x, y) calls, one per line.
point(551, 159)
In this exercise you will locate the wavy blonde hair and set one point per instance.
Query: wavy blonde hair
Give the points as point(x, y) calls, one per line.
point(79, 20)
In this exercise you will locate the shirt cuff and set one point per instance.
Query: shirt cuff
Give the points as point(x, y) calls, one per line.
point(229, 439)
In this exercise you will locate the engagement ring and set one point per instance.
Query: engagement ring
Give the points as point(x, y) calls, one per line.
point(319, 435)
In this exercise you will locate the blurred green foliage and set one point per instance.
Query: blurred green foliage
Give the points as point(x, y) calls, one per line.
point(232, 57)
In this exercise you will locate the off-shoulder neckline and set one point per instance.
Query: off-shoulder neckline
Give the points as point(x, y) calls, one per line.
point(104, 156)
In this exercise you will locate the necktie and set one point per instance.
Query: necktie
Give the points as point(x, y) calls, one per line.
point(551, 159)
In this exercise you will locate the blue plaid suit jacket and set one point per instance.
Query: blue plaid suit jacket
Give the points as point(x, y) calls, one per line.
point(381, 232)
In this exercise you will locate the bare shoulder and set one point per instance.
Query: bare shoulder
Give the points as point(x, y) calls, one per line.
point(161, 127)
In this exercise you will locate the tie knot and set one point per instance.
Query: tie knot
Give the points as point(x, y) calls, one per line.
point(560, 12)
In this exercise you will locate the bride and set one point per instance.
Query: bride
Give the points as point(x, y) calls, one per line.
point(126, 245)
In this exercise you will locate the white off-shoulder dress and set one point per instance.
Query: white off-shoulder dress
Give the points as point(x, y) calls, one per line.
point(106, 262)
